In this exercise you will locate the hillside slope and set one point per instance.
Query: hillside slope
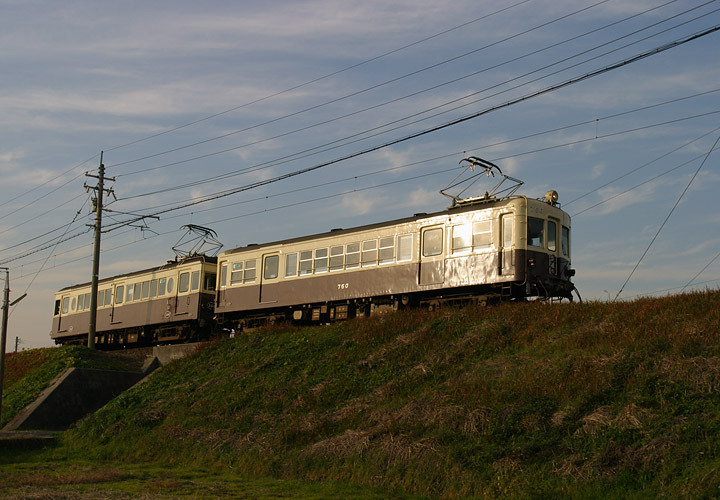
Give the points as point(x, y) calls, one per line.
point(528, 400)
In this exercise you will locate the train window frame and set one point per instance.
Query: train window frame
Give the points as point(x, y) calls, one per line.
point(87, 300)
point(138, 291)
point(65, 305)
point(195, 281)
point(81, 302)
point(119, 294)
point(183, 283)
point(432, 248)
point(306, 263)
point(170, 284)
point(462, 238)
point(73, 303)
point(57, 307)
point(145, 290)
point(369, 253)
point(551, 235)
point(337, 258)
point(565, 241)
point(129, 293)
point(482, 236)
point(404, 251)
point(250, 271)
point(162, 286)
point(320, 262)
point(271, 268)
point(386, 250)
point(352, 255)
point(291, 265)
point(535, 232)
point(153, 289)
point(236, 274)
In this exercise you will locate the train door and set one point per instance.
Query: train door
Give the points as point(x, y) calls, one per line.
point(62, 309)
point(115, 314)
point(221, 284)
point(182, 306)
point(432, 257)
point(506, 266)
point(269, 276)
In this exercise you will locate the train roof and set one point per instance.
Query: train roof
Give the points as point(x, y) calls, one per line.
point(405, 220)
point(168, 265)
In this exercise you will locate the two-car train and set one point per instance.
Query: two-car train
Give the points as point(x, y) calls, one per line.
point(491, 249)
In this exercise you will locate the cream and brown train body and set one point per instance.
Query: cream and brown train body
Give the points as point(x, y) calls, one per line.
point(513, 248)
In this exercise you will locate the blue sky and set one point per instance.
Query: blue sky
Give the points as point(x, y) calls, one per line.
point(177, 93)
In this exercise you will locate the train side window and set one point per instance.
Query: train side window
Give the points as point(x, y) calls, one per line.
point(271, 267)
point(482, 234)
point(432, 242)
point(183, 283)
point(138, 291)
point(195, 280)
point(145, 289)
point(73, 304)
point(551, 236)
point(170, 284)
point(236, 275)
point(404, 247)
point(223, 275)
point(81, 303)
point(337, 258)
point(461, 238)
point(57, 307)
point(352, 255)
point(87, 300)
point(566, 241)
point(108, 297)
point(249, 271)
point(321, 260)
point(369, 253)
point(387, 250)
point(119, 291)
point(65, 304)
point(153, 289)
point(535, 237)
point(306, 262)
point(291, 265)
point(210, 281)
point(162, 283)
point(129, 294)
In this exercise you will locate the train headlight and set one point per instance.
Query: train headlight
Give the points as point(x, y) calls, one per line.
point(551, 197)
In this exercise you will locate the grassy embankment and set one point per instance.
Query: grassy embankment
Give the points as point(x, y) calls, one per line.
point(517, 401)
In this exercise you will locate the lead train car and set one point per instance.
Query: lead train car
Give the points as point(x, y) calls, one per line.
point(511, 248)
point(172, 302)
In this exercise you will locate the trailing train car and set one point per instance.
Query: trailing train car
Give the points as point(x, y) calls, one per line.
point(172, 302)
point(511, 248)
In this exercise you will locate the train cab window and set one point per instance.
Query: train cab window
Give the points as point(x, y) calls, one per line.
point(352, 255)
point(461, 238)
point(65, 304)
point(482, 233)
point(337, 258)
point(57, 307)
point(249, 271)
point(119, 291)
point(170, 284)
point(184, 282)
point(535, 236)
point(432, 242)
point(81, 302)
point(291, 265)
point(387, 250)
point(566, 242)
point(404, 247)
point(210, 281)
point(162, 284)
point(321, 260)
point(153, 289)
point(129, 295)
point(195, 280)
point(306, 262)
point(145, 289)
point(72, 304)
point(551, 236)
point(270, 271)
point(369, 253)
point(237, 273)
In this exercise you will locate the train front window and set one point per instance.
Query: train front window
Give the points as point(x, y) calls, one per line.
point(566, 241)
point(195, 280)
point(535, 228)
point(552, 236)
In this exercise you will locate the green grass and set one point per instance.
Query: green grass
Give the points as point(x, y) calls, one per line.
point(517, 401)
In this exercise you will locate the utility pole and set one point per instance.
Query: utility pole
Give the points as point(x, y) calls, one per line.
point(3, 335)
point(99, 191)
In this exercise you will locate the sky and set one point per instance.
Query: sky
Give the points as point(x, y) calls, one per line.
point(189, 100)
